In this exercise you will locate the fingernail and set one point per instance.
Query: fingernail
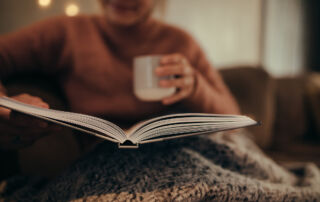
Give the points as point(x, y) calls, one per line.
point(43, 105)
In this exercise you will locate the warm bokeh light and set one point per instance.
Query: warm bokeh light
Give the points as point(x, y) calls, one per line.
point(44, 3)
point(72, 9)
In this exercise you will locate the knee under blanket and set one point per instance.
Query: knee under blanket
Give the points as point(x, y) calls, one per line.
point(218, 167)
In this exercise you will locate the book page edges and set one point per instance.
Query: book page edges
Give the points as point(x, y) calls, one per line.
point(79, 129)
point(70, 126)
point(54, 120)
point(193, 134)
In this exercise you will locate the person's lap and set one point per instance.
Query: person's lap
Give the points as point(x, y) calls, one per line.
point(217, 166)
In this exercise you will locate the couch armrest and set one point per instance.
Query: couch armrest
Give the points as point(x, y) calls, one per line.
point(291, 113)
point(254, 90)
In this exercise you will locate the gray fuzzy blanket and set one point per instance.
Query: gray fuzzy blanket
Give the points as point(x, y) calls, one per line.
point(218, 167)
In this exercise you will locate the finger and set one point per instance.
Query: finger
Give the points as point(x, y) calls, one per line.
point(172, 58)
point(32, 135)
point(38, 103)
point(182, 82)
point(169, 70)
point(15, 142)
point(32, 100)
point(175, 69)
point(51, 127)
point(35, 134)
point(9, 128)
point(176, 97)
point(25, 134)
point(19, 119)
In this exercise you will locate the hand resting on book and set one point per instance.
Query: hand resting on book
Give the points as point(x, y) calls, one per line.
point(18, 130)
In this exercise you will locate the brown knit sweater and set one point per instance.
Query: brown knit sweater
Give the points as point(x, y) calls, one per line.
point(92, 61)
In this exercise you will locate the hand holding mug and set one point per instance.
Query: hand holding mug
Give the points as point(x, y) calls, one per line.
point(146, 82)
point(178, 67)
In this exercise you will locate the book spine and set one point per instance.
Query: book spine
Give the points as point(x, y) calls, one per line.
point(127, 146)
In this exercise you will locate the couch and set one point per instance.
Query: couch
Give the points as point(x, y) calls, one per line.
point(288, 107)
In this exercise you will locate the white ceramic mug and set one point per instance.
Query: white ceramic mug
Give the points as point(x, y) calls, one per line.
point(146, 82)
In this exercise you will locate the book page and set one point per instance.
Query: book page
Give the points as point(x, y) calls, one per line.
point(176, 125)
point(73, 120)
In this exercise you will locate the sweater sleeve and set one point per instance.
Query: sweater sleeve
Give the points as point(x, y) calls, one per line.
point(210, 95)
point(34, 48)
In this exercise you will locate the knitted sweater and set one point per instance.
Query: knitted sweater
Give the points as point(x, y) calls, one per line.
point(92, 61)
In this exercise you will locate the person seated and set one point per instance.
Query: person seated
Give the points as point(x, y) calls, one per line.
point(91, 58)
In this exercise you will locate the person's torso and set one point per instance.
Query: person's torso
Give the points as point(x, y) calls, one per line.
point(100, 80)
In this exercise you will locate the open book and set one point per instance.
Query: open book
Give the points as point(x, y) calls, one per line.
point(152, 130)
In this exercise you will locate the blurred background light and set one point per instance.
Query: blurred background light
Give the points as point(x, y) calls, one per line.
point(281, 36)
point(44, 3)
point(72, 9)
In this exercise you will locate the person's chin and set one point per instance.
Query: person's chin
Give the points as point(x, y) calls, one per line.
point(123, 21)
